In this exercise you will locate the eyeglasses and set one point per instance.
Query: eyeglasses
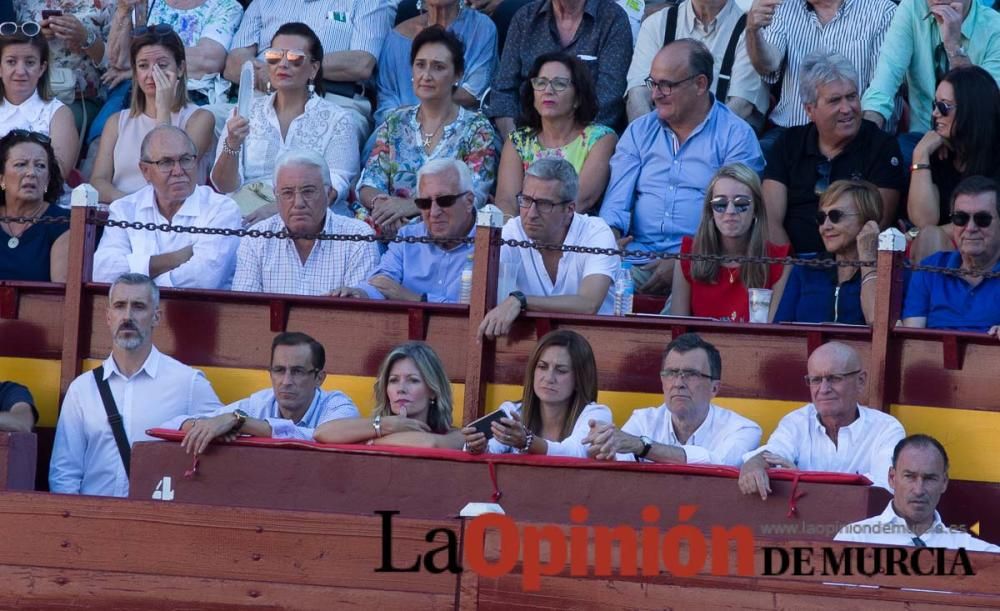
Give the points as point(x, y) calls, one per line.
point(28, 28)
point(543, 206)
point(944, 108)
point(720, 203)
point(559, 83)
point(666, 87)
point(294, 57)
point(160, 29)
point(823, 181)
point(443, 201)
point(297, 373)
point(187, 162)
point(683, 374)
point(308, 193)
point(832, 379)
point(834, 215)
point(981, 219)
point(38, 137)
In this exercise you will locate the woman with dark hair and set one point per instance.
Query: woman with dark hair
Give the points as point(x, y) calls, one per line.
point(962, 143)
point(159, 97)
point(413, 405)
point(558, 403)
point(26, 100)
point(558, 107)
point(733, 222)
point(30, 184)
point(294, 116)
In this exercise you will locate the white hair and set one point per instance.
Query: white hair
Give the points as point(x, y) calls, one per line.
point(440, 166)
point(820, 69)
point(303, 157)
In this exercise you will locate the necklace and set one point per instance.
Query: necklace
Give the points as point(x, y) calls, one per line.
point(429, 137)
point(15, 240)
point(732, 274)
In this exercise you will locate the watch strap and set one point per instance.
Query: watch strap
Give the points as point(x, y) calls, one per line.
point(520, 299)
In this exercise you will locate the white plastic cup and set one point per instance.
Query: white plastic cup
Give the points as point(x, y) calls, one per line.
point(760, 304)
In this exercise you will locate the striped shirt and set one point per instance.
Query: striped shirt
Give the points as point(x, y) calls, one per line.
point(342, 25)
point(856, 31)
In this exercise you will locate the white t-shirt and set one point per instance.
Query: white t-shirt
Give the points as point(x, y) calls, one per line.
point(572, 445)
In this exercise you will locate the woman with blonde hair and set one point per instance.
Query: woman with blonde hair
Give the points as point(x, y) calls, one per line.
point(734, 223)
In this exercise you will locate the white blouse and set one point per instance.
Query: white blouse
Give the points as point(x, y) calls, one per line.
point(570, 446)
point(34, 114)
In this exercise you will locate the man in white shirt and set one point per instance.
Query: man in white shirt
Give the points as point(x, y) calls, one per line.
point(687, 428)
point(169, 162)
point(291, 409)
point(552, 280)
point(918, 477)
point(833, 433)
point(148, 387)
point(303, 265)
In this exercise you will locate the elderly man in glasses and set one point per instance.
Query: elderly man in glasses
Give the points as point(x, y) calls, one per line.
point(429, 271)
point(687, 428)
point(835, 145)
point(291, 409)
point(962, 303)
point(833, 433)
point(169, 163)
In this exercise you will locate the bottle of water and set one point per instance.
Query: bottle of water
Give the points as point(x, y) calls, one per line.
point(624, 290)
point(465, 290)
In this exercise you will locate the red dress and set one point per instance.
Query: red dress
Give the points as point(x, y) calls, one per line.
point(727, 298)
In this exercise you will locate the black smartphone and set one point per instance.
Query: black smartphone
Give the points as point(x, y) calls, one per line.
point(49, 13)
point(482, 425)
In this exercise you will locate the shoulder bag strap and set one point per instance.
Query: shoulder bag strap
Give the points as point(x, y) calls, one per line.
point(114, 418)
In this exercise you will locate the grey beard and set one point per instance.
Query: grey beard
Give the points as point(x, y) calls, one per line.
point(130, 342)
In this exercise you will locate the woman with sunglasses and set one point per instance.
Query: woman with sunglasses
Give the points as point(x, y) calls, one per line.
point(159, 97)
point(963, 142)
point(558, 105)
point(295, 115)
point(30, 184)
point(733, 222)
point(435, 128)
point(26, 100)
point(848, 216)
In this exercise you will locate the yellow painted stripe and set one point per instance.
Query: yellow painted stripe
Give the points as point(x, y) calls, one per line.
point(971, 437)
point(42, 379)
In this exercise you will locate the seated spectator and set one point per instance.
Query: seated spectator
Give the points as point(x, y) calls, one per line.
point(558, 106)
point(436, 128)
point(719, 25)
point(175, 259)
point(500, 11)
point(295, 116)
point(30, 185)
point(848, 225)
point(962, 143)
point(428, 271)
point(836, 144)
point(304, 265)
point(596, 31)
point(159, 97)
point(962, 303)
point(552, 280)
point(474, 29)
point(558, 405)
point(687, 428)
point(352, 35)
point(833, 433)
point(918, 477)
point(17, 408)
point(733, 222)
point(146, 388)
point(413, 405)
point(666, 158)
point(26, 100)
point(291, 409)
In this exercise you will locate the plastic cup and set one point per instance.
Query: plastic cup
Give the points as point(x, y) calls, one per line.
point(760, 304)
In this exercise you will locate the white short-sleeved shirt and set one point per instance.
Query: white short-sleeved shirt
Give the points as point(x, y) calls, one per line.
point(34, 114)
point(888, 528)
point(572, 445)
point(722, 438)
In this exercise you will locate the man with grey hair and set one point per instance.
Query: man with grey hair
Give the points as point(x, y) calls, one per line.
point(302, 264)
point(141, 388)
point(836, 144)
point(429, 271)
point(169, 161)
point(553, 280)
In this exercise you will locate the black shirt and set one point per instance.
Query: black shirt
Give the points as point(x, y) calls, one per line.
point(873, 155)
point(12, 393)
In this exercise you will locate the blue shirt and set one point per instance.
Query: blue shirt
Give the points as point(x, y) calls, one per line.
point(811, 295)
point(423, 268)
point(657, 187)
point(950, 302)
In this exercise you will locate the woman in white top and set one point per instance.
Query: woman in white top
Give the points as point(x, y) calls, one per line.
point(559, 401)
point(26, 100)
point(159, 97)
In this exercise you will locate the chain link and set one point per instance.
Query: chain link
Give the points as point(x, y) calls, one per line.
point(40, 220)
point(950, 271)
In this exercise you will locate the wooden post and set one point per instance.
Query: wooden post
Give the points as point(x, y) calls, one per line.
point(82, 236)
point(486, 267)
point(883, 369)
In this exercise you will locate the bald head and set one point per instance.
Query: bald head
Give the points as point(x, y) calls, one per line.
point(168, 161)
point(836, 353)
point(682, 71)
point(168, 137)
point(836, 381)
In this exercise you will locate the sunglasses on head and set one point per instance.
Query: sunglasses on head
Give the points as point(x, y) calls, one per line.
point(823, 181)
point(294, 57)
point(443, 201)
point(160, 29)
point(981, 219)
point(943, 108)
point(29, 29)
point(835, 216)
point(38, 137)
point(720, 203)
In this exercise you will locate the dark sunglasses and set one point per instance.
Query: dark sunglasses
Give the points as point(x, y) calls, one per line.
point(38, 137)
point(981, 219)
point(29, 29)
point(720, 203)
point(160, 29)
point(943, 108)
point(443, 201)
point(835, 216)
point(823, 181)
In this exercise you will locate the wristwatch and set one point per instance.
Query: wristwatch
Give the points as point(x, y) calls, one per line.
point(647, 445)
point(241, 419)
point(520, 299)
point(959, 52)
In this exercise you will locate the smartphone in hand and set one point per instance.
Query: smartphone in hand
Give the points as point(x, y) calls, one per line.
point(49, 13)
point(482, 425)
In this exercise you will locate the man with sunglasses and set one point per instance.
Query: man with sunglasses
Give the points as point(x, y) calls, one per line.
point(833, 433)
point(291, 409)
point(962, 303)
point(687, 428)
point(169, 163)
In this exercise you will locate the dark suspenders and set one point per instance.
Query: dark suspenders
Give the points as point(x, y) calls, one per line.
point(728, 59)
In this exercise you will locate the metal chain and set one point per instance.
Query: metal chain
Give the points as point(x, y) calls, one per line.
point(41, 220)
point(950, 271)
